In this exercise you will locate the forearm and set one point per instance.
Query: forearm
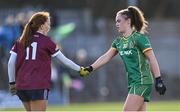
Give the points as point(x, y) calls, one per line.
point(68, 62)
point(100, 62)
point(104, 58)
point(11, 68)
point(153, 63)
point(155, 68)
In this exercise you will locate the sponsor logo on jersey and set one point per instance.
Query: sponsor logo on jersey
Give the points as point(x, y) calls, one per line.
point(128, 52)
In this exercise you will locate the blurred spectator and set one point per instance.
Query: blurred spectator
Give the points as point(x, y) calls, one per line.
point(81, 56)
point(9, 32)
point(20, 21)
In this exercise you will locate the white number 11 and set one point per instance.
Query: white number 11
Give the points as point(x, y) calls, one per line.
point(34, 49)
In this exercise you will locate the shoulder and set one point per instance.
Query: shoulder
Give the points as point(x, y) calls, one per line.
point(18, 43)
point(42, 37)
point(47, 38)
point(139, 35)
point(17, 46)
point(117, 40)
point(49, 42)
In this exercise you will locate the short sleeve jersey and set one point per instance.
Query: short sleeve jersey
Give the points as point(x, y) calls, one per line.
point(132, 50)
point(33, 64)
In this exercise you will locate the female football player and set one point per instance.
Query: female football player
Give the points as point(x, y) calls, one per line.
point(138, 56)
point(29, 66)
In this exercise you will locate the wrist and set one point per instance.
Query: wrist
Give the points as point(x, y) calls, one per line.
point(12, 83)
point(90, 68)
point(159, 79)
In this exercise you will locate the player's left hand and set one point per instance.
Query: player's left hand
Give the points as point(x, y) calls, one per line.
point(160, 87)
point(12, 88)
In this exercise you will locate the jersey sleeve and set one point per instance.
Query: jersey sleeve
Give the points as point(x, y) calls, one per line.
point(52, 48)
point(143, 43)
point(14, 48)
point(113, 45)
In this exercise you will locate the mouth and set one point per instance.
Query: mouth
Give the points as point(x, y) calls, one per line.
point(118, 28)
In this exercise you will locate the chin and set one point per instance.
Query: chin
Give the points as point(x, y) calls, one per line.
point(120, 31)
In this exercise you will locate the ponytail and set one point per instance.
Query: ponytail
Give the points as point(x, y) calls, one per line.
point(138, 20)
point(26, 36)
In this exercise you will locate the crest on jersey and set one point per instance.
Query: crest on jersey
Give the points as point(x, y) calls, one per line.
point(125, 45)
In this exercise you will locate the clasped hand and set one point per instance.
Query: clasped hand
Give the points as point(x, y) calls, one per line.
point(85, 71)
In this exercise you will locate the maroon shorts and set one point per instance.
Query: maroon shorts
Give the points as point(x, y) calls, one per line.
point(31, 95)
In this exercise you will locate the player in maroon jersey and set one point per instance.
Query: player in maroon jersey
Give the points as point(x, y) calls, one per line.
point(29, 66)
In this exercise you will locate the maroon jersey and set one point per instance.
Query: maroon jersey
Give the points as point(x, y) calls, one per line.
point(33, 67)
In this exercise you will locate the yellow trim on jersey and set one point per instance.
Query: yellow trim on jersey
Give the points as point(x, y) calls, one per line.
point(125, 38)
point(147, 49)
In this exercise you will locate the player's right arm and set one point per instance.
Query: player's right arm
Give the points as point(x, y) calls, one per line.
point(67, 61)
point(106, 57)
point(102, 60)
point(53, 49)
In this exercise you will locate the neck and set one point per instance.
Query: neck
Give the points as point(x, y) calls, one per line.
point(128, 33)
point(42, 32)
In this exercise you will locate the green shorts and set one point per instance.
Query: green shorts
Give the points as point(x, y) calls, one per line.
point(141, 90)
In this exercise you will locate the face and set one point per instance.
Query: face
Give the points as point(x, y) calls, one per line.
point(46, 26)
point(121, 23)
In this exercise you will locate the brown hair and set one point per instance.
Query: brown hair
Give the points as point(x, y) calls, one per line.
point(137, 18)
point(32, 26)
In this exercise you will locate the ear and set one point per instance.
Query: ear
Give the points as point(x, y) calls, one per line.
point(41, 27)
point(129, 21)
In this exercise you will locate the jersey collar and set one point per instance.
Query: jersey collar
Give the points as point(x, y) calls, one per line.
point(126, 38)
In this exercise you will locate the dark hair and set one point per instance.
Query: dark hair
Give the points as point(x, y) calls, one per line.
point(32, 26)
point(137, 18)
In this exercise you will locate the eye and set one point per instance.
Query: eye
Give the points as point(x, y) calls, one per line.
point(118, 21)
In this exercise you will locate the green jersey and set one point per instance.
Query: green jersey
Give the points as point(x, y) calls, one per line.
point(132, 50)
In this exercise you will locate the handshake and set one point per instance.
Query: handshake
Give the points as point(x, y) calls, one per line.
point(85, 71)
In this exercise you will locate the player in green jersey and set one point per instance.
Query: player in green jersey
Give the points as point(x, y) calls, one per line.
point(138, 56)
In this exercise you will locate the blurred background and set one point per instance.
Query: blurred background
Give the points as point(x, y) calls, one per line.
point(85, 29)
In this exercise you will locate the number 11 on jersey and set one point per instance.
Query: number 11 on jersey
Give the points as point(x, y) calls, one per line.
point(34, 49)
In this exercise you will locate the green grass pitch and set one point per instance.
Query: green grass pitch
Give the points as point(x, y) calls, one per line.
point(113, 106)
